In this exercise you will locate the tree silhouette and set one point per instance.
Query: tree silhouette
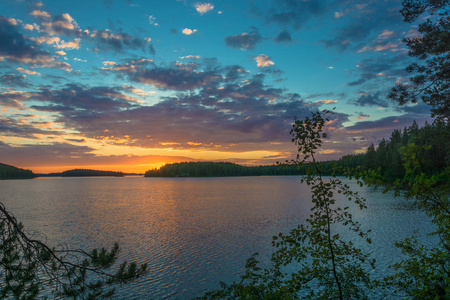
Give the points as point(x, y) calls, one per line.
point(29, 268)
point(430, 79)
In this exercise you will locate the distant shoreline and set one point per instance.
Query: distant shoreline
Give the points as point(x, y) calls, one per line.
point(39, 175)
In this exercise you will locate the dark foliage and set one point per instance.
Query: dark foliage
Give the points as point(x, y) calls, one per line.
point(424, 181)
point(10, 172)
point(430, 80)
point(87, 172)
point(219, 169)
point(30, 269)
point(388, 158)
point(322, 265)
point(224, 169)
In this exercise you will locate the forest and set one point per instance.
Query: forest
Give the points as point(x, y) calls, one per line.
point(87, 172)
point(219, 169)
point(10, 172)
point(386, 158)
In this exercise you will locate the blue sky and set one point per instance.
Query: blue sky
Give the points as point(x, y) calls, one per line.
point(130, 85)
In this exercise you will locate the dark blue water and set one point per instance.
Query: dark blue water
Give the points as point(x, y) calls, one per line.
point(192, 232)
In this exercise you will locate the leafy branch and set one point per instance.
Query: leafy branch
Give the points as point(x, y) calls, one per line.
point(29, 267)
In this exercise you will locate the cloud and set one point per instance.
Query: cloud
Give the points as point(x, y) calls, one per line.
point(74, 44)
point(14, 81)
point(56, 156)
point(107, 40)
point(137, 91)
point(18, 48)
point(419, 109)
point(329, 101)
point(188, 31)
point(151, 49)
point(214, 107)
point(382, 47)
point(176, 77)
point(75, 99)
point(364, 77)
point(49, 154)
point(374, 99)
point(244, 41)
point(57, 42)
point(383, 127)
point(41, 14)
point(61, 24)
point(29, 27)
point(109, 63)
point(190, 57)
point(152, 21)
point(213, 123)
point(22, 70)
point(362, 116)
point(386, 34)
point(383, 69)
point(367, 20)
point(13, 99)
point(10, 126)
point(338, 15)
point(283, 37)
point(54, 27)
point(294, 13)
point(203, 8)
point(263, 61)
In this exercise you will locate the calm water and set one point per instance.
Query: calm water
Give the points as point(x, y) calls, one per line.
point(192, 232)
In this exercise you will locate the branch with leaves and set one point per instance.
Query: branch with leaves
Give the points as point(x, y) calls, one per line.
point(313, 261)
point(430, 80)
point(425, 272)
point(29, 268)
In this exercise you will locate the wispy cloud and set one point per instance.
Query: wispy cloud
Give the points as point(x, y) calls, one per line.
point(152, 20)
point(28, 72)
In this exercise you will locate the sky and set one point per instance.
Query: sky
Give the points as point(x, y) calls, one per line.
point(130, 85)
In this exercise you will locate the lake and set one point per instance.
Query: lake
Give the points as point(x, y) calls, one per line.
point(192, 232)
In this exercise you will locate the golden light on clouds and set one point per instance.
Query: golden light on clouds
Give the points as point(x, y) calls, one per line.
point(263, 61)
point(203, 8)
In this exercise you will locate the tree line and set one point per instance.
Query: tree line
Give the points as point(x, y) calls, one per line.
point(88, 172)
point(219, 169)
point(387, 159)
point(11, 172)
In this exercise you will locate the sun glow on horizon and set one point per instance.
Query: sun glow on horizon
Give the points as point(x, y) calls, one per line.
point(154, 159)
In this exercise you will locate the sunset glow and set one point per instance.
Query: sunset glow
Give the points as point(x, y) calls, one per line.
point(131, 85)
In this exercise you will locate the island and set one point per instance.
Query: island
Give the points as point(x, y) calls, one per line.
point(88, 172)
point(11, 172)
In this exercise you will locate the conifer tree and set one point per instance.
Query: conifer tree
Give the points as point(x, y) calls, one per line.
point(430, 79)
point(30, 269)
